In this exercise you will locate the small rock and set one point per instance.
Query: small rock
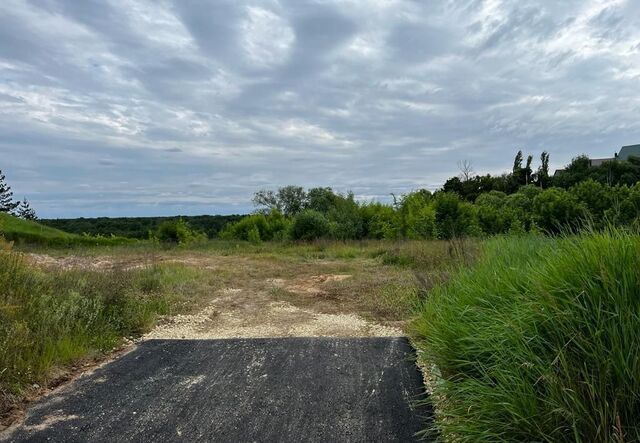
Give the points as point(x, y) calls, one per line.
point(36, 386)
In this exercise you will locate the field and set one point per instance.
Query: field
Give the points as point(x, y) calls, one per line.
point(520, 337)
point(66, 305)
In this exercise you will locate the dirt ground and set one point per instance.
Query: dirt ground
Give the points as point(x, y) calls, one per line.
point(265, 296)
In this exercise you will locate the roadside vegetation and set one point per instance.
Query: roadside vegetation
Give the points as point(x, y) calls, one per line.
point(52, 318)
point(538, 341)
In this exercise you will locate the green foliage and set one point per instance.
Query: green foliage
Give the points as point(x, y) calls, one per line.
point(321, 199)
point(538, 341)
point(177, 231)
point(138, 227)
point(254, 235)
point(454, 218)
point(556, 209)
point(52, 318)
point(446, 215)
point(309, 225)
point(7, 204)
point(258, 227)
point(289, 200)
point(379, 221)
point(31, 232)
point(416, 216)
point(25, 211)
point(345, 219)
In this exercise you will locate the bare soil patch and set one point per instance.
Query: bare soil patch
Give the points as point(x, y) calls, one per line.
point(254, 302)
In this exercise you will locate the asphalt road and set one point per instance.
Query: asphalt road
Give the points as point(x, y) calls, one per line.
point(240, 390)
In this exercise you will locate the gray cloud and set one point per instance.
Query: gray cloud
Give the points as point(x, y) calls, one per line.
point(373, 96)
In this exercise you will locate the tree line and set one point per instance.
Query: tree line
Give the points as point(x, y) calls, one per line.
point(20, 209)
point(140, 227)
point(523, 200)
point(613, 172)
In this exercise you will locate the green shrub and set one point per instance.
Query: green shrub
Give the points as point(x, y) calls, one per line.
point(556, 210)
point(345, 219)
point(177, 231)
point(454, 218)
point(539, 341)
point(379, 221)
point(273, 226)
point(254, 235)
point(309, 225)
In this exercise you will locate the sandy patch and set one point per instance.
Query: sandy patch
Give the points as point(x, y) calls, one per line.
point(308, 285)
point(250, 313)
point(110, 263)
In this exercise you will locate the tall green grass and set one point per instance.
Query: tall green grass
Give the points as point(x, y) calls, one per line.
point(52, 318)
point(539, 341)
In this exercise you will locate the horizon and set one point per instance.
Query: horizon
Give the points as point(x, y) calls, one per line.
point(148, 109)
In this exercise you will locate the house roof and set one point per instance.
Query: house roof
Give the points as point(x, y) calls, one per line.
point(629, 151)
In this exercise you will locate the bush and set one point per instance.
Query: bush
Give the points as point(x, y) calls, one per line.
point(454, 218)
point(309, 225)
point(177, 231)
point(345, 219)
point(556, 209)
point(379, 221)
point(539, 341)
point(258, 227)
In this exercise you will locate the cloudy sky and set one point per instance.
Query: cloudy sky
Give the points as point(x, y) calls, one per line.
point(126, 107)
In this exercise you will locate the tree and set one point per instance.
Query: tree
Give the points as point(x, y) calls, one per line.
point(266, 200)
point(25, 211)
point(466, 170)
point(543, 170)
point(517, 163)
point(6, 196)
point(309, 225)
point(289, 200)
point(292, 199)
point(345, 218)
point(321, 199)
point(527, 170)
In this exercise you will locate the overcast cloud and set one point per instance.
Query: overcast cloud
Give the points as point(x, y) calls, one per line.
point(156, 107)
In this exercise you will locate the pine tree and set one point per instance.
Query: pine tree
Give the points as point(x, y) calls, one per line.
point(6, 196)
point(25, 211)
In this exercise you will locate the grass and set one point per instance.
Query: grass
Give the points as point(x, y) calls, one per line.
point(530, 338)
point(51, 319)
point(538, 341)
point(31, 232)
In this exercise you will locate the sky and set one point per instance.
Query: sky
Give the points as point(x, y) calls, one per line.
point(131, 108)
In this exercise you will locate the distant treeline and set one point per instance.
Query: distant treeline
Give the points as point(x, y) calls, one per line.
point(139, 227)
point(522, 200)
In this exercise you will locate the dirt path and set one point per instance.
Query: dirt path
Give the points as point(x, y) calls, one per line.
point(252, 310)
point(238, 313)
